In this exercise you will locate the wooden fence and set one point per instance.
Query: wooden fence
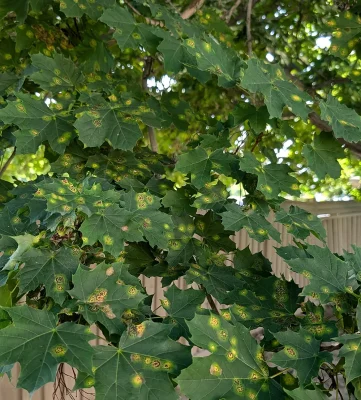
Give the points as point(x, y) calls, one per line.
point(342, 221)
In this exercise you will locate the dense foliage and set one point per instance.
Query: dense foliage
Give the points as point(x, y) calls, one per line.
point(76, 86)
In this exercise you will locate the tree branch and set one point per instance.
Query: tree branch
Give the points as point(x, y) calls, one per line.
point(232, 10)
point(146, 74)
point(192, 8)
point(249, 27)
point(8, 162)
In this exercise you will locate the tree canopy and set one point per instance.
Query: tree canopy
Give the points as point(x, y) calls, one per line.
point(124, 124)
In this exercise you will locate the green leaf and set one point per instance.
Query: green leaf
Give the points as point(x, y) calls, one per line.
point(354, 259)
point(174, 54)
point(271, 305)
point(235, 218)
point(65, 196)
point(77, 9)
point(55, 74)
point(302, 353)
point(38, 123)
point(327, 273)
point(105, 292)
point(139, 367)
point(301, 223)
point(270, 80)
point(8, 247)
point(179, 201)
point(7, 80)
point(272, 178)
point(322, 155)
point(315, 322)
point(182, 303)
point(346, 35)
point(212, 196)
point(33, 330)
point(302, 394)
point(345, 122)
point(257, 118)
point(53, 269)
point(235, 366)
point(128, 33)
point(102, 122)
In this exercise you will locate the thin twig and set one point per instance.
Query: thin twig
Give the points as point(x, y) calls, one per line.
point(232, 10)
point(210, 300)
point(249, 27)
point(146, 74)
point(192, 8)
point(8, 162)
point(259, 138)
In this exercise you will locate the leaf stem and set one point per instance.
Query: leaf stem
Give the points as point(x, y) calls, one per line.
point(210, 300)
point(279, 373)
point(8, 162)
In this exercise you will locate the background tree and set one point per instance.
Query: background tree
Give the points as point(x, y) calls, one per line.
point(120, 123)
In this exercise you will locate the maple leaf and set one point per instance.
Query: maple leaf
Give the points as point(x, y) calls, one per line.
point(327, 273)
point(272, 178)
point(38, 123)
point(345, 122)
point(53, 269)
point(301, 223)
point(78, 8)
point(139, 367)
point(104, 293)
point(235, 366)
point(302, 353)
point(270, 80)
point(102, 122)
point(34, 329)
point(55, 74)
point(235, 218)
point(322, 155)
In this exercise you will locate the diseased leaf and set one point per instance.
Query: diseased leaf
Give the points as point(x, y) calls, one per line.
point(345, 122)
point(272, 178)
point(139, 367)
point(38, 123)
point(235, 366)
point(301, 352)
point(301, 223)
point(235, 218)
point(53, 269)
point(33, 330)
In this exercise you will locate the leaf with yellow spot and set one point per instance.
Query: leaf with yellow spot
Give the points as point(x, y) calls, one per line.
point(235, 367)
point(53, 269)
point(327, 273)
point(66, 196)
point(272, 178)
point(278, 92)
point(301, 223)
point(345, 122)
point(256, 225)
point(77, 8)
point(55, 73)
point(301, 352)
point(105, 292)
point(34, 329)
point(38, 124)
point(346, 34)
point(139, 368)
